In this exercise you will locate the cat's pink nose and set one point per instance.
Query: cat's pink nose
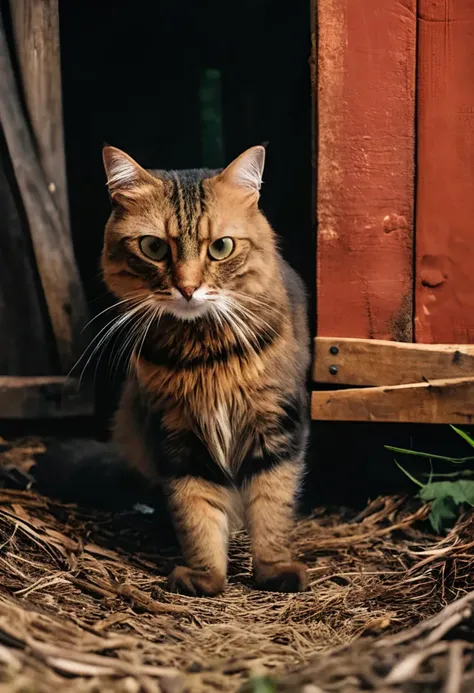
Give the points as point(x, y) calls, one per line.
point(187, 291)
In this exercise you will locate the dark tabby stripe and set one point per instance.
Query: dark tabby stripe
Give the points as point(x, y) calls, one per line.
point(292, 424)
point(174, 358)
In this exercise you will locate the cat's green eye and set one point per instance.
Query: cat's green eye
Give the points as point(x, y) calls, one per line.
point(153, 247)
point(221, 248)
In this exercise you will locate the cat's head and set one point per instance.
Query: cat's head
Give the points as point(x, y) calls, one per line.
point(192, 242)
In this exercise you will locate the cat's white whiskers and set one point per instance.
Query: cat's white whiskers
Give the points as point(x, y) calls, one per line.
point(126, 344)
point(256, 321)
point(132, 339)
point(215, 312)
point(91, 343)
point(136, 297)
point(114, 330)
point(238, 327)
point(129, 300)
point(256, 318)
point(156, 315)
point(113, 327)
point(268, 308)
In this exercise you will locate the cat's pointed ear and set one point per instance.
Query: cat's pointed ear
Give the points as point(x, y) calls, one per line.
point(127, 181)
point(246, 171)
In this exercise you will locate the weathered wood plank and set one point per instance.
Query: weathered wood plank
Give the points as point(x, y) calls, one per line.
point(26, 340)
point(437, 402)
point(43, 397)
point(344, 361)
point(445, 165)
point(366, 116)
point(51, 241)
point(36, 29)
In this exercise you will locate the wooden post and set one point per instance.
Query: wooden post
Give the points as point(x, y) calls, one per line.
point(366, 114)
point(26, 341)
point(36, 29)
point(445, 178)
point(50, 236)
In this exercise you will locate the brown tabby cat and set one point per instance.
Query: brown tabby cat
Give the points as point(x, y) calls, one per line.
point(215, 406)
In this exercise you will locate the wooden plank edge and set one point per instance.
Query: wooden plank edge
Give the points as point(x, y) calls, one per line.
point(351, 361)
point(44, 397)
point(441, 401)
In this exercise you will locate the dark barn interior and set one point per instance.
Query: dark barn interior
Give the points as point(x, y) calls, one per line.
point(188, 85)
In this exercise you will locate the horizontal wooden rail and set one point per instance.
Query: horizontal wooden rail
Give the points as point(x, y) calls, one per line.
point(342, 361)
point(448, 400)
point(43, 397)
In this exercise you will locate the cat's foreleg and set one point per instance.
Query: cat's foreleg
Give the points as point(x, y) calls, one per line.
point(200, 513)
point(269, 490)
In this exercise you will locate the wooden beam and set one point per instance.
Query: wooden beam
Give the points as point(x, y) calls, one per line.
point(43, 397)
point(36, 30)
point(26, 341)
point(365, 185)
point(444, 295)
point(51, 241)
point(343, 361)
point(438, 402)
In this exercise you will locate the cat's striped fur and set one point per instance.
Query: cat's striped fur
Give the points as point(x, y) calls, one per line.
point(215, 406)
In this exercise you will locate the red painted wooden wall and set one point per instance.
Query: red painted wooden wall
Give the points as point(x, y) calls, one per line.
point(395, 169)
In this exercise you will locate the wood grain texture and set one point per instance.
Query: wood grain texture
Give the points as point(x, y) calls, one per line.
point(377, 362)
point(36, 30)
point(43, 398)
point(366, 114)
point(51, 241)
point(26, 341)
point(438, 402)
point(445, 180)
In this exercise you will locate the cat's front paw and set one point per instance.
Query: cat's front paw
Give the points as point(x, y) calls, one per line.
point(282, 577)
point(196, 583)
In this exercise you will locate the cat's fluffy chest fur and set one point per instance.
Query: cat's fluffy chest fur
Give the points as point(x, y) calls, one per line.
point(226, 405)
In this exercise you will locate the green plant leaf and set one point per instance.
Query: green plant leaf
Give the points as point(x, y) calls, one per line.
point(412, 478)
point(441, 511)
point(439, 475)
point(259, 684)
point(445, 497)
point(461, 491)
point(464, 435)
point(416, 453)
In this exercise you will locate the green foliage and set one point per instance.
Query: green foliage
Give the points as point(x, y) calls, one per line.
point(259, 684)
point(447, 498)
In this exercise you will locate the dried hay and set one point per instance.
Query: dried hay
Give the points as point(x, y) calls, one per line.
point(83, 605)
point(435, 655)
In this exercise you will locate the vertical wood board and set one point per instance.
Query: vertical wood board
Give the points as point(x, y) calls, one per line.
point(50, 237)
point(26, 341)
point(444, 304)
point(365, 186)
point(36, 30)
